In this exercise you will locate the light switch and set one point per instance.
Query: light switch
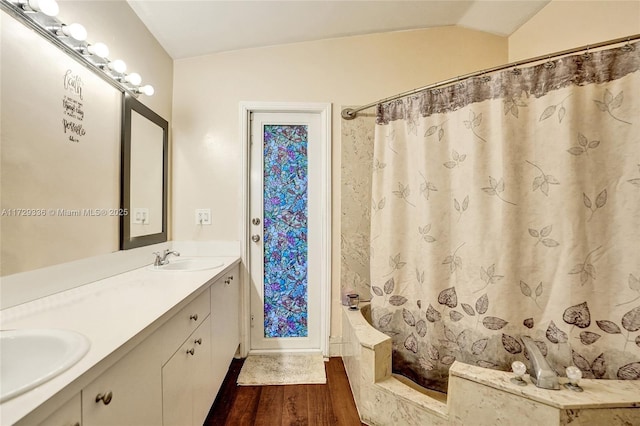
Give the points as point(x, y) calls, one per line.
point(141, 216)
point(203, 216)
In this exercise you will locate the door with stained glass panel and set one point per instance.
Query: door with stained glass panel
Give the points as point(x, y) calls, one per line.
point(285, 213)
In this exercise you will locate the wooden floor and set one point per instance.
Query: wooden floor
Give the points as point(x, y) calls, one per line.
point(314, 405)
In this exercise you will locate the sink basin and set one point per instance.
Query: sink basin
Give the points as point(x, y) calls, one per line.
point(189, 264)
point(30, 357)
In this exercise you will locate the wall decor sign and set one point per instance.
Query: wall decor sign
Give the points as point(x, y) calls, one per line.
point(73, 107)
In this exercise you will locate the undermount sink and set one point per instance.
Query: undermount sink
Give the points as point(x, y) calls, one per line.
point(30, 357)
point(189, 264)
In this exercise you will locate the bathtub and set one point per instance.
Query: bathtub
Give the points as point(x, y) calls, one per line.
point(476, 395)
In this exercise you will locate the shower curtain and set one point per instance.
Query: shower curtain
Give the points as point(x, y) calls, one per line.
point(509, 205)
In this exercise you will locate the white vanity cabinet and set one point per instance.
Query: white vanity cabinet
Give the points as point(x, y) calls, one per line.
point(193, 375)
point(129, 392)
point(225, 323)
point(167, 374)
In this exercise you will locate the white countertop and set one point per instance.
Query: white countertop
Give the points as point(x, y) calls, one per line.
point(115, 313)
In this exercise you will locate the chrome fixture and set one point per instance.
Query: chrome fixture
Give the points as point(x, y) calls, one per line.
point(255, 238)
point(574, 374)
point(354, 301)
point(48, 7)
point(161, 259)
point(41, 16)
point(75, 31)
point(543, 375)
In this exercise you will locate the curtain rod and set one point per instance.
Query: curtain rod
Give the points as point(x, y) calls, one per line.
point(350, 113)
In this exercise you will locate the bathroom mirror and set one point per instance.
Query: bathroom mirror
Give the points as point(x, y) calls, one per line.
point(144, 175)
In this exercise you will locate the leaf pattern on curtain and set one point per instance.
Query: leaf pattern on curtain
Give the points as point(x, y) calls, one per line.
point(509, 205)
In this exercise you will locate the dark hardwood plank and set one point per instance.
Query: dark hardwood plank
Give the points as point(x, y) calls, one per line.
point(342, 400)
point(245, 405)
point(314, 405)
point(296, 405)
point(269, 411)
point(320, 406)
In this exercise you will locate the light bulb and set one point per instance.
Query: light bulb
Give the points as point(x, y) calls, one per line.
point(134, 78)
point(574, 374)
point(118, 66)
point(75, 31)
point(147, 90)
point(99, 49)
point(48, 7)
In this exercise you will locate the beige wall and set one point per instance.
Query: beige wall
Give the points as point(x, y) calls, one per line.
point(344, 71)
point(63, 175)
point(565, 24)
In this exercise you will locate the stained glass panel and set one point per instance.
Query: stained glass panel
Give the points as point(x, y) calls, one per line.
point(285, 230)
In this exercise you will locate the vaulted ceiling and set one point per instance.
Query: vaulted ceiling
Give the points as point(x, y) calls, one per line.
point(187, 28)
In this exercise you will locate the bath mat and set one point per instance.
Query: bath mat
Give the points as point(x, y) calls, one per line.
point(282, 369)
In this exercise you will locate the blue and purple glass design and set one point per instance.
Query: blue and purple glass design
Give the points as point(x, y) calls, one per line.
point(285, 231)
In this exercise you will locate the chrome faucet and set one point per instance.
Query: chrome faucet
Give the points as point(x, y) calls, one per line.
point(543, 375)
point(161, 259)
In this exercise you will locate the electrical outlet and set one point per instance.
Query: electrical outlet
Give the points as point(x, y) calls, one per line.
point(141, 216)
point(203, 216)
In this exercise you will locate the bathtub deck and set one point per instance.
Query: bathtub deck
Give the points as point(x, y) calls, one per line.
point(476, 396)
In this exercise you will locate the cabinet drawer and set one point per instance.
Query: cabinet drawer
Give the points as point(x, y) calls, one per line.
point(178, 328)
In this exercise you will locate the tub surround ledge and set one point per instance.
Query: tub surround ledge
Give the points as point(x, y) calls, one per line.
point(597, 393)
point(476, 395)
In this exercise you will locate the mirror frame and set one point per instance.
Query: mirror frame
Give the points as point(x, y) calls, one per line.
point(130, 104)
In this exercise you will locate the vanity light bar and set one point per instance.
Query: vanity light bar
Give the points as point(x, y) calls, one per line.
point(40, 16)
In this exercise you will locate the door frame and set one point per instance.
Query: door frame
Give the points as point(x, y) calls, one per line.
point(324, 111)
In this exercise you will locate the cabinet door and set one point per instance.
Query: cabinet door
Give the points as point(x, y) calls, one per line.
point(225, 324)
point(204, 389)
point(187, 388)
point(177, 395)
point(128, 393)
point(68, 414)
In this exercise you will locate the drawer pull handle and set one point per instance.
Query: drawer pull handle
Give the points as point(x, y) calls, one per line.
point(198, 341)
point(194, 317)
point(105, 398)
point(191, 351)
